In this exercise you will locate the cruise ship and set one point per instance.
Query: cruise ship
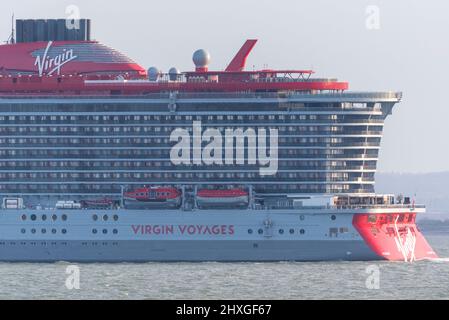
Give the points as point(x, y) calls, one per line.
point(102, 160)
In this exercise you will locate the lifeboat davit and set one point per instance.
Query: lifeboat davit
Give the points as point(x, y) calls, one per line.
point(151, 197)
point(222, 198)
point(97, 203)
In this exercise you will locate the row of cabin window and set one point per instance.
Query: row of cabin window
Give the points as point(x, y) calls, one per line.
point(208, 175)
point(166, 140)
point(127, 118)
point(168, 129)
point(111, 188)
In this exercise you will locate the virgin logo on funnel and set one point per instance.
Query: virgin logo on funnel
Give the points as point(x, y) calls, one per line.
point(226, 149)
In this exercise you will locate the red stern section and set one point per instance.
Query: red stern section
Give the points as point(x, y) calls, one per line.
point(394, 236)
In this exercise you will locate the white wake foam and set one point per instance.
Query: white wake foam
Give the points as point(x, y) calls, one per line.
point(437, 259)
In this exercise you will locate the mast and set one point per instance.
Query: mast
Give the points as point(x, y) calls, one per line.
point(12, 39)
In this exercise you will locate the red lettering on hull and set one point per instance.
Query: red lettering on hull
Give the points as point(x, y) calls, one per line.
point(183, 229)
point(152, 229)
point(206, 229)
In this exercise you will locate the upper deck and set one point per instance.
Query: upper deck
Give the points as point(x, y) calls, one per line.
point(90, 68)
point(81, 121)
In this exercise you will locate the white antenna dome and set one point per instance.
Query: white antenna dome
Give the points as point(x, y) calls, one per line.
point(201, 58)
point(153, 73)
point(173, 74)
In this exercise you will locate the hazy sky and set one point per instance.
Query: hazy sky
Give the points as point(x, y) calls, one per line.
point(409, 51)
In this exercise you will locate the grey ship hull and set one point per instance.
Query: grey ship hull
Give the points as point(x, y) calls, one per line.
point(176, 235)
point(193, 251)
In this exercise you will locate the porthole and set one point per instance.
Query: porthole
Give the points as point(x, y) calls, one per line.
point(33, 217)
point(260, 231)
point(115, 217)
point(302, 231)
point(33, 230)
point(115, 231)
point(64, 231)
point(23, 230)
point(105, 231)
point(105, 217)
point(64, 217)
point(281, 231)
point(94, 231)
point(53, 231)
point(44, 217)
point(292, 231)
point(54, 217)
point(250, 231)
point(333, 217)
point(95, 217)
point(24, 217)
point(44, 230)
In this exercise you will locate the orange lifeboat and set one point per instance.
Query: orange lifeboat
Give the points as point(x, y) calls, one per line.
point(222, 198)
point(149, 197)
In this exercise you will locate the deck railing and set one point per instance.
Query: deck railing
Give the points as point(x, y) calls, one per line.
point(294, 95)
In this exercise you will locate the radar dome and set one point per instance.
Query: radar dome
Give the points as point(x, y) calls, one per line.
point(174, 73)
point(201, 58)
point(153, 74)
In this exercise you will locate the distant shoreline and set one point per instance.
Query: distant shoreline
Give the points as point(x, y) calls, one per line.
point(434, 225)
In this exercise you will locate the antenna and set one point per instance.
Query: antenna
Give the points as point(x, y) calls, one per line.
point(11, 39)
